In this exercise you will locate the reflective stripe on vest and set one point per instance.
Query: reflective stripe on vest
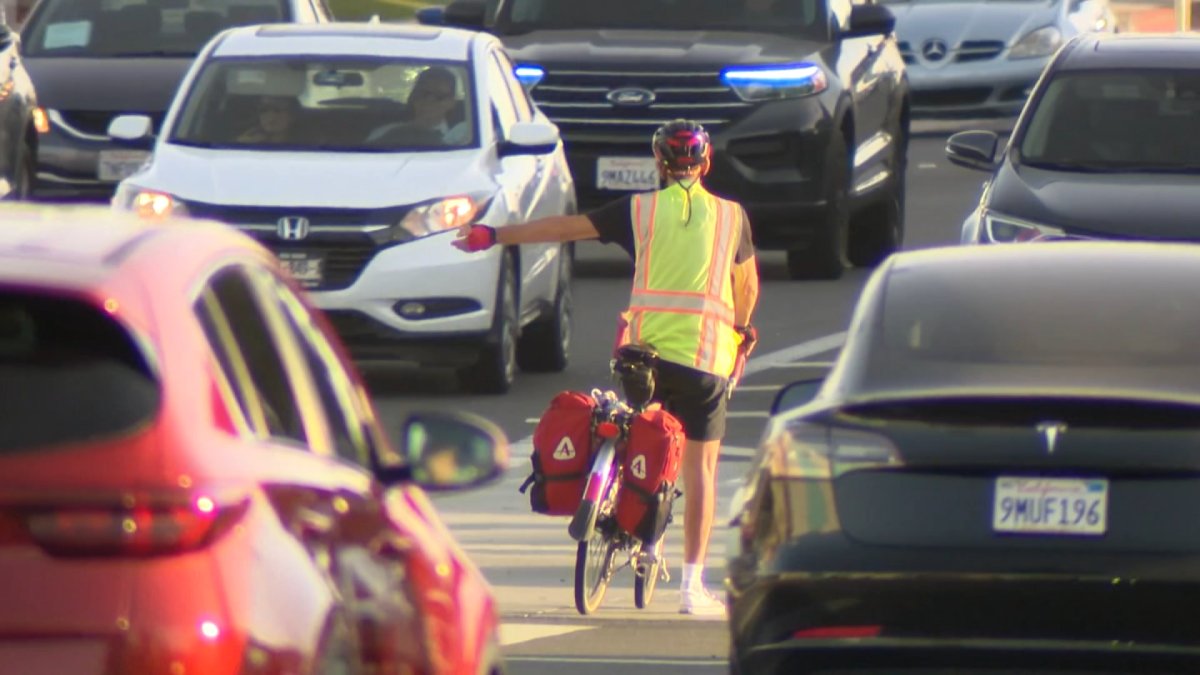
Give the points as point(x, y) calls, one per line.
point(682, 299)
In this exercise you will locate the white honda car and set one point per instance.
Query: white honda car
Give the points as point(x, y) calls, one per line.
point(354, 150)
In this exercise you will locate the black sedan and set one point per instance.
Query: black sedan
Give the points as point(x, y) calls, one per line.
point(1001, 468)
point(1108, 147)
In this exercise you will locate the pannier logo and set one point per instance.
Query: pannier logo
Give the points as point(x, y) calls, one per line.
point(565, 449)
point(638, 467)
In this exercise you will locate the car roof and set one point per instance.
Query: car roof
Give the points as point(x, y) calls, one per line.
point(347, 38)
point(1133, 50)
point(80, 248)
point(1054, 261)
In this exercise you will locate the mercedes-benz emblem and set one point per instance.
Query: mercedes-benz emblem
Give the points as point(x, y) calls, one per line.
point(935, 50)
point(292, 228)
point(631, 97)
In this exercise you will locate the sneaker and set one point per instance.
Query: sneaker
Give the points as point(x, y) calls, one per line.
point(700, 602)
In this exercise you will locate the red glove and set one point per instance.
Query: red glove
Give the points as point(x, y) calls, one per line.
point(478, 238)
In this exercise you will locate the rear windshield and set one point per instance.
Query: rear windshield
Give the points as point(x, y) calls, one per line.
point(120, 28)
point(798, 18)
point(68, 373)
point(1038, 327)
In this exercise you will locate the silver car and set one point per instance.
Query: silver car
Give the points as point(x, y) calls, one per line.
point(977, 58)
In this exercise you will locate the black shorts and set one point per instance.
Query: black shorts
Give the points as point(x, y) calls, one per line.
point(697, 398)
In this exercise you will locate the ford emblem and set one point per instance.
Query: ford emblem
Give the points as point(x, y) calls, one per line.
point(631, 96)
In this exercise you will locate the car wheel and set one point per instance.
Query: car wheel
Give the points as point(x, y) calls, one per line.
point(496, 369)
point(22, 180)
point(879, 230)
point(825, 256)
point(545, 346)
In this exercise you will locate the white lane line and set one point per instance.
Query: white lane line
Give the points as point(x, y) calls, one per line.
point(711, 663)
point(757, 387)
point(747, 414)
point(806, 364)
point(738, 451)
point(794, 353)
point(927, 165)
point(532, 420)
point(516, 633)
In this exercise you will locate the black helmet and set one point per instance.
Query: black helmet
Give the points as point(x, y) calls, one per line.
point(681, 145)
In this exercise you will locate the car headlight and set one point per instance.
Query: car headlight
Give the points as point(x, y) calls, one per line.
point(1038, 43)
point(438, 216)
point(761, 83)
point(1002, 229)
point(152, 204)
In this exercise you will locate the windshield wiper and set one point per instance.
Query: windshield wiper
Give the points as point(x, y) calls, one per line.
point(154, 52)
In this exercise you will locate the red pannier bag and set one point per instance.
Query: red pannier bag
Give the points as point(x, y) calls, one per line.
point(562, 454)
point(652, 458)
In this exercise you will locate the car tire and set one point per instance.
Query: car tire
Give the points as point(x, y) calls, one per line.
point(22, 179)
point(496, 369)
point(545, 346)
point(825, 256)
point(878, 231)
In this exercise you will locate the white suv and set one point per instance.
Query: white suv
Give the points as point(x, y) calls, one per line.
point(354, 151)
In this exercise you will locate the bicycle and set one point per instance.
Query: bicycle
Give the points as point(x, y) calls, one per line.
point(594, 524)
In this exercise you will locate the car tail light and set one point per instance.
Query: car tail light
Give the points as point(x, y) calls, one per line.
point(837, 632)
point(817, 451)
point(141, 525)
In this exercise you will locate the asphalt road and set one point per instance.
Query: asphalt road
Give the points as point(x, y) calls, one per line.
point(529, 559)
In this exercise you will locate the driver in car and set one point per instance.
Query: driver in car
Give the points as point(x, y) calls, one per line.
point(430, 106)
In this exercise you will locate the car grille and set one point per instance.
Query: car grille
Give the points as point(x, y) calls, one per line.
point(576, 99)
point(96, 122)
point(951, 97)
point(270, 215)
point(967, 52)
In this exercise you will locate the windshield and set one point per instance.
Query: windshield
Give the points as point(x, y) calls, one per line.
point(1036, 328)
point(806, 17)
point(117, 28)
point(324, 104)
point(1142, 120)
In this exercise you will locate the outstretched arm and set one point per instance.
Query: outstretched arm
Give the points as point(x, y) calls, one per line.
point(542, 230)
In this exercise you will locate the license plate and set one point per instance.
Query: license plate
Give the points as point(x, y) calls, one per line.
point(305, 267)
point(118, 165)
point(1073, 506)
point(626, 173)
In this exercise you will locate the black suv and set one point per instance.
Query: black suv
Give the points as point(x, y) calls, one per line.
point(806, 100)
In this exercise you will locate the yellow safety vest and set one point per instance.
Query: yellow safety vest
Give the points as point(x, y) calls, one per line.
point(682, 299)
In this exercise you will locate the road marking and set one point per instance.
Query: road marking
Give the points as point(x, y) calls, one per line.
point(806, 364)
point(747, 414)
point(738, 451)
point(795, 353)
point(758, 387)
point(927, 165)
point(516, 633)
point(712, 663)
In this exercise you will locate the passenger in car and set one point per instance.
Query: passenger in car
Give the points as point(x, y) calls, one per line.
point(276, 117)
point(429, 116)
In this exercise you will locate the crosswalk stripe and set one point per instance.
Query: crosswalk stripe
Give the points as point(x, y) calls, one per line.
point(516, 633)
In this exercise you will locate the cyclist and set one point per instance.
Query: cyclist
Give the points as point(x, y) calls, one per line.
point(695, 287)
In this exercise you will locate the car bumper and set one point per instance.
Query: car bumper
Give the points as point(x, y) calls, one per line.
point(996, 88)
point(69, 163)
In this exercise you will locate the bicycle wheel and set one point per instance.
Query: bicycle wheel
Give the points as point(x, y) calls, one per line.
point(593, 570)
point(646, 578)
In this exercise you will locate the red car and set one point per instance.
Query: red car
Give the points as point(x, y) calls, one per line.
point(194, 481)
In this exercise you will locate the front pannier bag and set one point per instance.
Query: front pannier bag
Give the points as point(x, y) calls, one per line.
point(562, 454)
point(652, 457)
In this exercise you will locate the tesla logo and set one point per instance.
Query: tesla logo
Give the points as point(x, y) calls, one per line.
point(292, 228)
point(565, 449)
point(1051, 431)
point(638, 467)
point(631, 96)
point(935, 50)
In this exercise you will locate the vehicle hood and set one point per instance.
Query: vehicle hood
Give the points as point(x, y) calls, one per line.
point(333, 180)
point(141, 85)
point(954, 22)
point(693, 48)
point(1117, 205)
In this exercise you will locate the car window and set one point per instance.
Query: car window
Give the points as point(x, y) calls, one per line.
point(789, 16)
point(361, 104)
point(519, 96)
point(504, 111)
point(347, 428)
point(74, 28)
point(239, 333)
point(69, 372)
point(1126, 119)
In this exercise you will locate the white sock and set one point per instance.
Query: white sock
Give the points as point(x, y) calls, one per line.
point(693, 576)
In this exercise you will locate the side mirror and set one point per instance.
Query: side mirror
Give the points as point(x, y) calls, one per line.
point(131, 128)
point(449, 451)
point(868, 20)
point(431, 16)
point(530, 138)
point(465, 14)
point(973, 149)
point(796, 394)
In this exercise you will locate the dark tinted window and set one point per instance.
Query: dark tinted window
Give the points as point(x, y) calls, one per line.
point(1127, 119)
point(68, 373)
point(154, 27)
point(1043, 322)
point(790, 16)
